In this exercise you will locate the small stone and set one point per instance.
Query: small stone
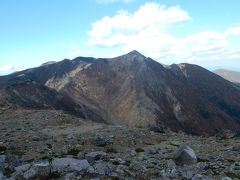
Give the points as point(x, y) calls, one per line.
point(185, 155)
point(236, 147)
point(103, 168)
point(96, 155)
point(156, 129)
point(117, 161)
point(152, 150)
point(72, 175)
point(100, 141)
point(226, 178)
point(62, 165)
point(188, 174)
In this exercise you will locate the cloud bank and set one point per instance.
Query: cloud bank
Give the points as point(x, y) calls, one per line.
point(148, 30)
point(8, 68)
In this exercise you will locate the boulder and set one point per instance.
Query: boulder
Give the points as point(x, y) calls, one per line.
point(2, 177)
point(96, 155)
point(61, 165)
point(152, 150)
point(185, 156)
point(2, 161)
point(37, 170)
point(103, 168)
point(226, 178)
point(100, 141)
point(156, 129)
point(20, 170)
point(12, 161)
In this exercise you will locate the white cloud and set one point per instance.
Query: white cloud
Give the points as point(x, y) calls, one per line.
point(74, 51)
point(150, 20)
point(112, 1)
point(8, 68)
point(148, 31)
point(233, 31)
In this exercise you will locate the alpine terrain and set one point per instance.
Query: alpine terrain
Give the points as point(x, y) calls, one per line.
point(131, 89)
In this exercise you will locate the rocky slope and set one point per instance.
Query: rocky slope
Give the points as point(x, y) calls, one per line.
point(43, 144)
point(135, 90)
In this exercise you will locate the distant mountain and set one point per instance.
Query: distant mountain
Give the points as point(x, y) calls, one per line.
point(232, 76)
point(130, 89)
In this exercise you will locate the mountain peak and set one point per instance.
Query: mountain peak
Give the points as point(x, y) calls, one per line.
point(134, 53)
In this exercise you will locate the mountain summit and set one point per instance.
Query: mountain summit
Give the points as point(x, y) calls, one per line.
point(130, 89)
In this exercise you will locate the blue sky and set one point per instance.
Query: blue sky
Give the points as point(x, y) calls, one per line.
point(205, 32)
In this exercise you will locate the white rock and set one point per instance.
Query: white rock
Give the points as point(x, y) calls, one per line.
point(226, 178)
point(39, 169)
point(61, 165)
point(20, 170)
point(185, 155)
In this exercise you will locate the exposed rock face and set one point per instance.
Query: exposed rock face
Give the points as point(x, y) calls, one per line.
point(130, 89)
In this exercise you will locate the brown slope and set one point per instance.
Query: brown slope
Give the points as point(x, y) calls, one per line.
point(31, 95)
point(27, 89)
point(136, 90)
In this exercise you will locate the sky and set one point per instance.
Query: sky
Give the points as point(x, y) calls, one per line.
point(204, 32)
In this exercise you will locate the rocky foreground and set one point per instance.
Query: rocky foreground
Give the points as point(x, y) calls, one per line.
point(55, 145)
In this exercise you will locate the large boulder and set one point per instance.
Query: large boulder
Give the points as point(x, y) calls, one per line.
point(185, 156)
point(20, 170)
point(2, 161)
point(38, 170)
point(62, 165)
point(2, 177)
point(12, 161)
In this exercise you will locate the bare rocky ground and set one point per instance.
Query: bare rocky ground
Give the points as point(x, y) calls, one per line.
point(54, 145)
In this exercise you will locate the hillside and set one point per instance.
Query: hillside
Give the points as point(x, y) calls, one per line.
point(131, 89)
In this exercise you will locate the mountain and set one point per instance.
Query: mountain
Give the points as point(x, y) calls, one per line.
point(26, 90)
point(232, 76)
point(131, 89)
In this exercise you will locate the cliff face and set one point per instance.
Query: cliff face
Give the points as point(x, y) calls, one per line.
point(138, 91)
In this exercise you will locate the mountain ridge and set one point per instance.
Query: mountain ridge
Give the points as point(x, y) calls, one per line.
point(136, 90)
point(230, 75)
